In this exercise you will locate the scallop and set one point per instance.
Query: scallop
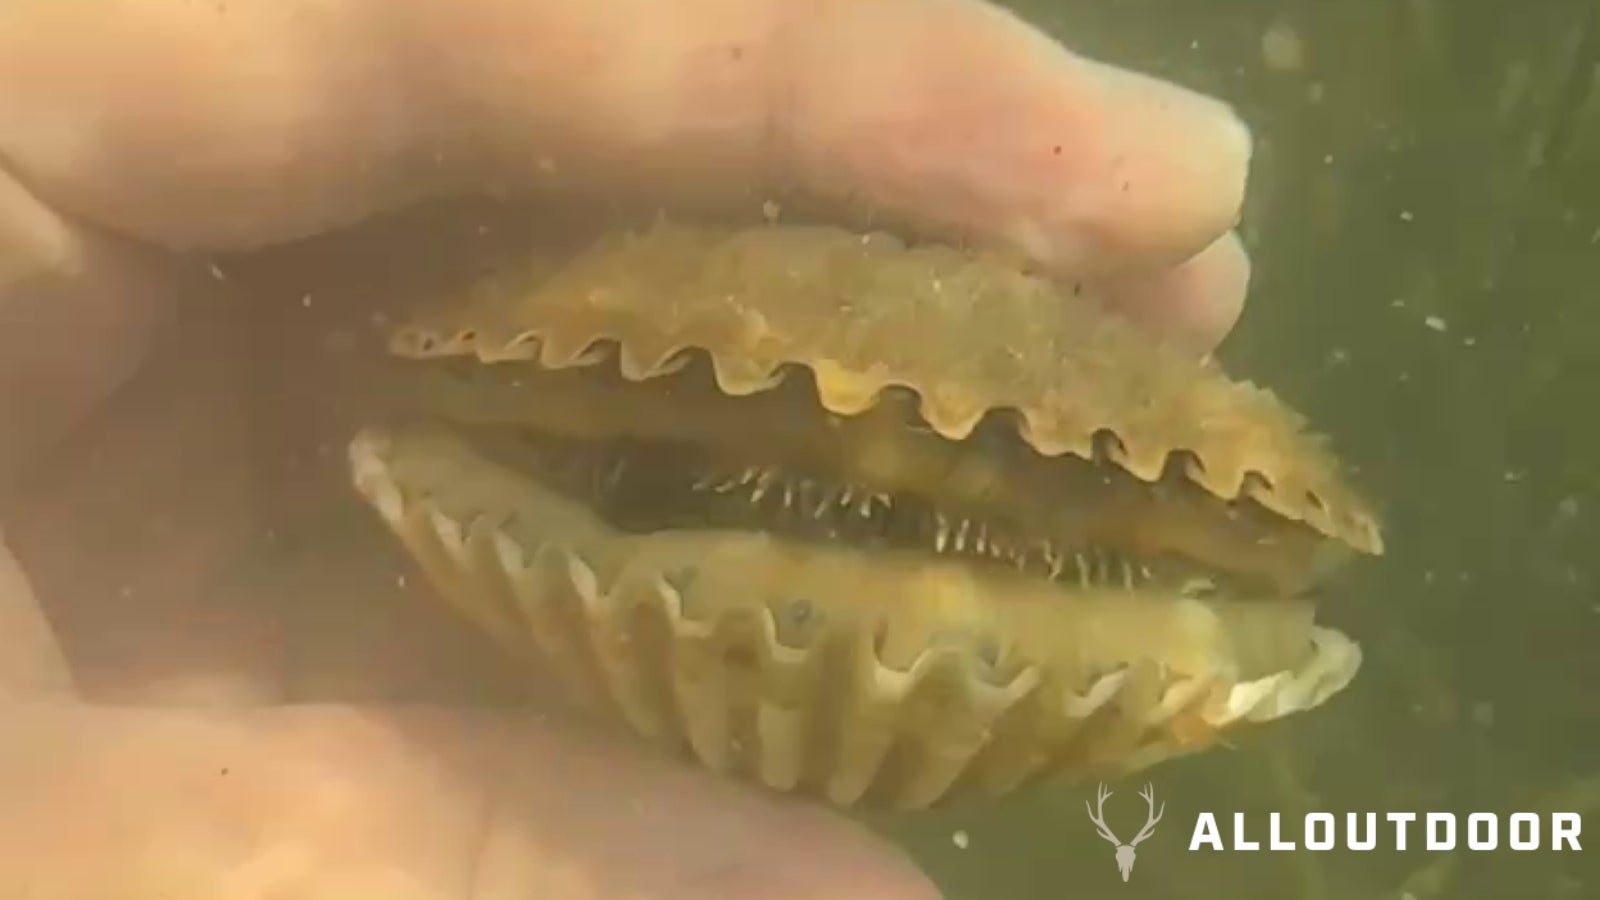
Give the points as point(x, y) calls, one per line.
point(877, 523)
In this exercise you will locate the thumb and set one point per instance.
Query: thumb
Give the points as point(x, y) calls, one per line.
point(78, 311)
point(422, 804)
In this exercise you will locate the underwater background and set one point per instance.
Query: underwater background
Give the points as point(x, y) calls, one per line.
point(1424, 221)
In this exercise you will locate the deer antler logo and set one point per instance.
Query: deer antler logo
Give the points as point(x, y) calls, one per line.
point(1125, 852)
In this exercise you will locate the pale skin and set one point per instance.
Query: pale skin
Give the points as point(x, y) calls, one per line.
point(172, 728)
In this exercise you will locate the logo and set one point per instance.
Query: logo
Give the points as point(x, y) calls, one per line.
point(1125, 852)
point(1361, 831)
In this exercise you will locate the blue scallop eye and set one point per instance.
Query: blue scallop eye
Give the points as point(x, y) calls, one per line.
point(799, 612)
point(797, 620)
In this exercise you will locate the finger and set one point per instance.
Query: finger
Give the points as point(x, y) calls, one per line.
point(321, 802)
point(31, 663)
point(78, 310)
point(962, 116)
point(126, 526)
point(1195, 303)
point(197, 542)
point(948, 112)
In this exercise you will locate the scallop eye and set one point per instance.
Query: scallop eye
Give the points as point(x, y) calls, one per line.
point(799, 612)
point(797, 620)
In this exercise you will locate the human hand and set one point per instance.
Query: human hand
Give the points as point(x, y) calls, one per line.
point(221, 706)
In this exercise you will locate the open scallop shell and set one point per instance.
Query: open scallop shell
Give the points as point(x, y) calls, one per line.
point(864, 676)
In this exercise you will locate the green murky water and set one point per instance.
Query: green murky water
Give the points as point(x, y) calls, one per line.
point(1425, 226)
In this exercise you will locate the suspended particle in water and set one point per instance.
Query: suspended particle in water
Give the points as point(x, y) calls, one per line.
point(1282, 49)
point(1567, 508)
